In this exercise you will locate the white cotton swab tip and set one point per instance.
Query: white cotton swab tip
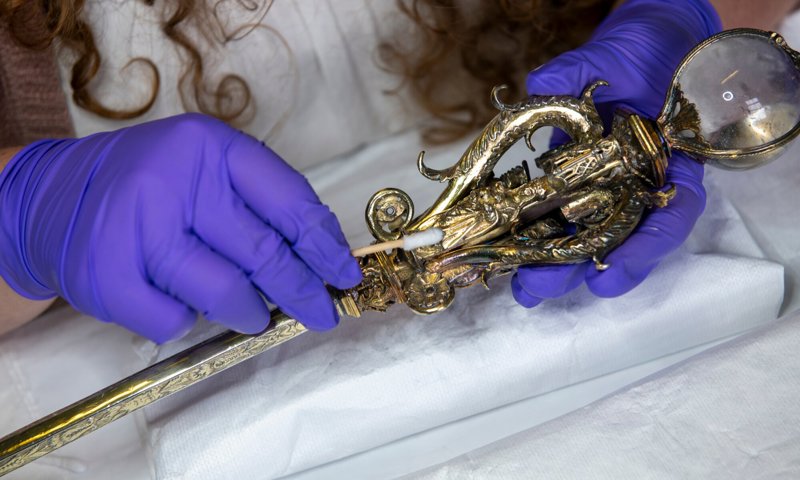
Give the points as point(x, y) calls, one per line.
point(412, 241)
point(425, 238)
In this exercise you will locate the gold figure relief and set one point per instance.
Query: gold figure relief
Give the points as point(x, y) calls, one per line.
point(684, 121)
point(588, 200)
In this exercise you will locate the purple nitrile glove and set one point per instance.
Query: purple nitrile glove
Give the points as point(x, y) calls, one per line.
point(147, 225)
point(636, 49)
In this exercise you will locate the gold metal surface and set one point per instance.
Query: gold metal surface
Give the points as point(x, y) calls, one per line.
point(591, 195)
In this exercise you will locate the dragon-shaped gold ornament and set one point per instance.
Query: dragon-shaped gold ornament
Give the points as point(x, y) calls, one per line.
point(593, 193)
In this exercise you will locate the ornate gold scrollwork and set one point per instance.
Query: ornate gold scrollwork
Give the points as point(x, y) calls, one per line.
point(388, 213)
point(593, 193)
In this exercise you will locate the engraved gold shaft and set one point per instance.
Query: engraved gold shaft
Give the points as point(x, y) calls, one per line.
point(153, 383)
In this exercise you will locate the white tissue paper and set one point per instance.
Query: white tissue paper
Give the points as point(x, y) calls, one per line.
point(729, 412)
point(383, 377)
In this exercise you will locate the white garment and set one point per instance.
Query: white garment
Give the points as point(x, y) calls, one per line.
point(311, 65)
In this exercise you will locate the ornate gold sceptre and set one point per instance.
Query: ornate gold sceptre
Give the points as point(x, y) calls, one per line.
point(734, 102)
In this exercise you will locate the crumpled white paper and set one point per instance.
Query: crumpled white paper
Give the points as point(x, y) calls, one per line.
point(386, 376)
point(729, 412)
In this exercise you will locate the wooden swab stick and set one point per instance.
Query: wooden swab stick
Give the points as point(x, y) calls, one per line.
point(413, 241)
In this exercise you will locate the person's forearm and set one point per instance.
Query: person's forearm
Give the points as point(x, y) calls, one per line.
point(764, 14)
point(16, 310)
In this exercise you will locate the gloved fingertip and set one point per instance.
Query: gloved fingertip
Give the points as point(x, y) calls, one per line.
point(172, 327)
point(184, 327)
point(350, 275)
point(559, 138)
point(340, 269)
point(551, 281)
point(321, 318)
point(245, 311)
point(325, 250)
point(297, 291)
point(148, 312)
point(521, 296)
point(218, 289)
point(619, 279)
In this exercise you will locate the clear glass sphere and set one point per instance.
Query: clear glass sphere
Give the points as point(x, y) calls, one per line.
point(745, 88)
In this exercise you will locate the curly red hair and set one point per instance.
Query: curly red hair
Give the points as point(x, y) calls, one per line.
point(459, 53)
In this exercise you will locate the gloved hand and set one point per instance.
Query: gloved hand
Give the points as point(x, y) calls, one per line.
point(147, 225)
point(636, 49)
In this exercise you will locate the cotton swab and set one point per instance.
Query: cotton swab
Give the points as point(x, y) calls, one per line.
point(412, 241)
